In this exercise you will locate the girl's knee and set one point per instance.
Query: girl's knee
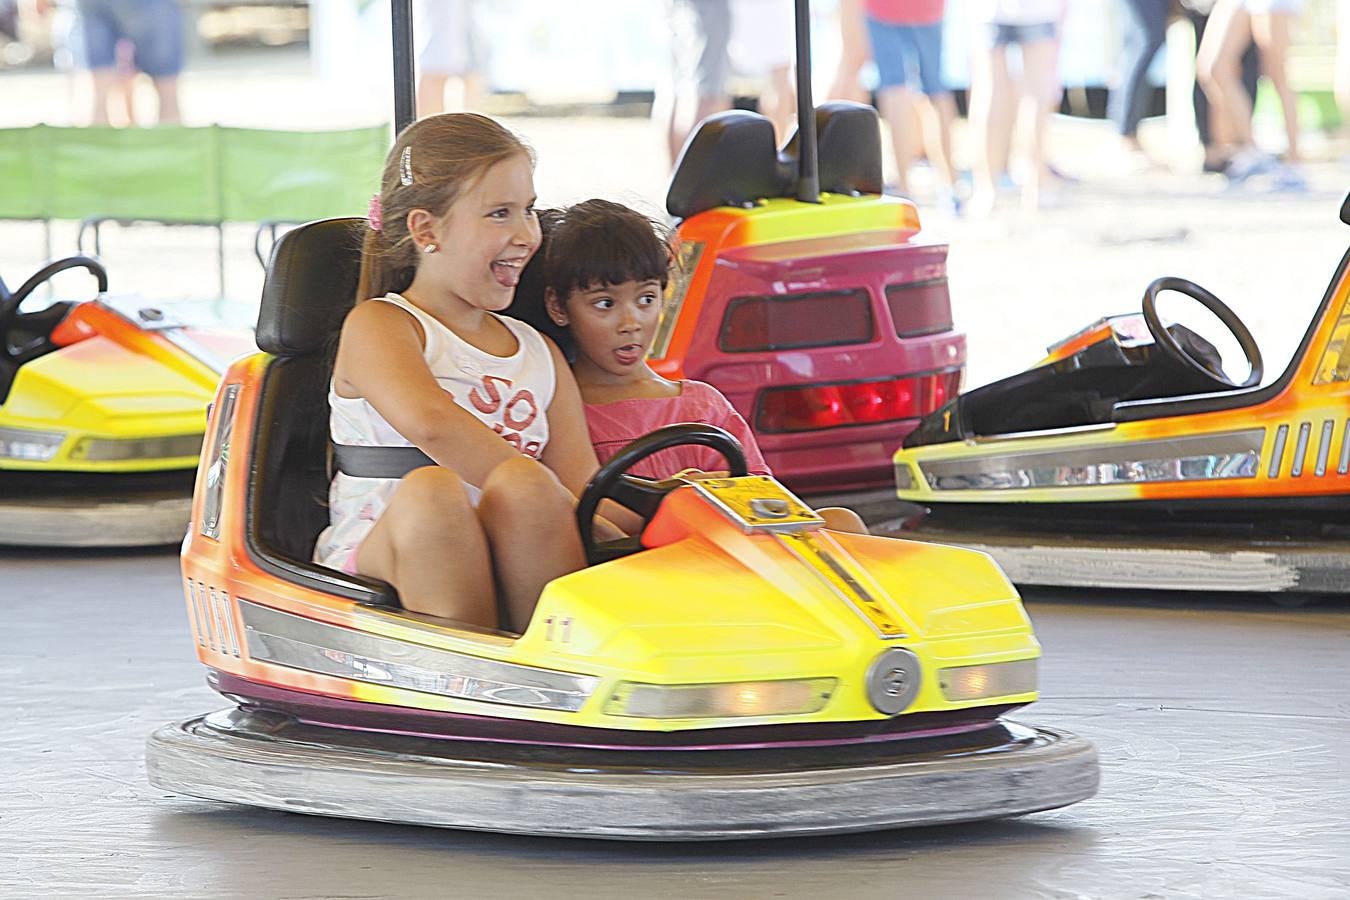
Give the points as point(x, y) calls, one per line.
point(431, 494)
point(523, 488)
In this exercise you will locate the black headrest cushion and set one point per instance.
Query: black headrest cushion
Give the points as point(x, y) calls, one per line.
point(729, 160)
point(848, 149)
point(310, 286)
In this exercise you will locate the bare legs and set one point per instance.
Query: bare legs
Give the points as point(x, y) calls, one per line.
point(853, 53)
point(438, 550)
point(993, 116)
point(529, 519)
point(935, 115)
point(1217, 67)
point(1271, 33)
point(110, 84)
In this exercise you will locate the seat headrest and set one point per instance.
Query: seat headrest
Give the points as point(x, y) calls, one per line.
point(310, 286)
point(729, 160)
point(848, 149)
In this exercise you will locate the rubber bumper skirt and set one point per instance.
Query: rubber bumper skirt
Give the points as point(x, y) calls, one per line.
point(1133, 562)
point(112, 521)
point(251, 759)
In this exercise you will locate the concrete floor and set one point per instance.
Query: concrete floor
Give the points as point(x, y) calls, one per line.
point(1223, 726)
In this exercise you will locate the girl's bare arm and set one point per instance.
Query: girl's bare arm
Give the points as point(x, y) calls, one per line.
point(380, 360)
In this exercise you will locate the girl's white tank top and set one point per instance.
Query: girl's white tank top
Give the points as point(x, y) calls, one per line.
point(508, 394)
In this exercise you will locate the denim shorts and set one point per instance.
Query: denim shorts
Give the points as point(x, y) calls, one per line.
point(154, 27)
point(907, 54)
point(996, 35)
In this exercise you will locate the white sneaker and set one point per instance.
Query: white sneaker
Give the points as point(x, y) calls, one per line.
point(1247, 162)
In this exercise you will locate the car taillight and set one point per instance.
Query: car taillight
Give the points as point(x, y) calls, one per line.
point(920, 308)
point(788, 321)
point(854, 403)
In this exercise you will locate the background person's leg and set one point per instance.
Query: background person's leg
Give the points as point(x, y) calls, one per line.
point(991, 117)
point(1270, 33)
point(1145, 30)
point(1039, 58)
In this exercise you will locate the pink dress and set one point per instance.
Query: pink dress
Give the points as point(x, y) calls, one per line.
point(615, 425)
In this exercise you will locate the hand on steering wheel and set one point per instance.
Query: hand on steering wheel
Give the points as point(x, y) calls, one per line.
point(641, 495)
point(1168, 343)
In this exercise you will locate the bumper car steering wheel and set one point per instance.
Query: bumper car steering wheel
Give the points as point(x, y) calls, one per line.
point(1173, 348)
point(642, 495)
point(9, 303)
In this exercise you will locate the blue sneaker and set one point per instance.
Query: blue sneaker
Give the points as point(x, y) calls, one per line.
point(1288, 180)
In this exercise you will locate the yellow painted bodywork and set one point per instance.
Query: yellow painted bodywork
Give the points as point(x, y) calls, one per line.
point(126, 385)
point(707, 602)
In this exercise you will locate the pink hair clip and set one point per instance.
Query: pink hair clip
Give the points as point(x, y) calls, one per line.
point(375, 213)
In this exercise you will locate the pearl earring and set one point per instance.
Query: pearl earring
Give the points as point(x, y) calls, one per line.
point(429, 248)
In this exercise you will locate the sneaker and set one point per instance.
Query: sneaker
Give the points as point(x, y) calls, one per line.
point(949, 203)
point(1288, 179)
point(1247, 162)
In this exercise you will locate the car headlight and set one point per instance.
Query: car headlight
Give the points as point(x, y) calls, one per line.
point(174, 446)
point(716, 701)
point(217, 460)
point(30, 446)
point(990, 680)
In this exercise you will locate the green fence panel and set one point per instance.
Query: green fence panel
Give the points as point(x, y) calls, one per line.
point(23, 183)
point(296, 176)
point(168, 173)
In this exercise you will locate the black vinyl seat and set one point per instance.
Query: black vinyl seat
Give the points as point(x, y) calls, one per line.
point(729, 160)
point(848, 150)
point(310, 287)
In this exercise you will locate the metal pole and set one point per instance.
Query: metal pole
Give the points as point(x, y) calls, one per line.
point(405, 92)
point(808, 171)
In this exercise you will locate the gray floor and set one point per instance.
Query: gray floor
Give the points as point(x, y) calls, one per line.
point(1223, 726)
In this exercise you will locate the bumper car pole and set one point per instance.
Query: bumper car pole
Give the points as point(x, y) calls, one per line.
point(405, 94)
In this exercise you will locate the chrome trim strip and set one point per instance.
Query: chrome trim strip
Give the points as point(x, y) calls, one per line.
point(195, 612)
point(1048, 432)
point(1227, 455)
point(1324, 447)
point(229, 624)
point(209, 619)
point(299, 643)
point(1277, 452)
point(1344, 465)
point(217, 624)
point(1300, 449)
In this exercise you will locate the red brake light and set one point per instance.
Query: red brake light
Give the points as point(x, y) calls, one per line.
point(854, 403)
point(782, 322)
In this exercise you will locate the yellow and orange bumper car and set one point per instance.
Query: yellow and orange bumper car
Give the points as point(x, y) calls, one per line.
point(737, 672)
point(102, 410)
point(1133, 457)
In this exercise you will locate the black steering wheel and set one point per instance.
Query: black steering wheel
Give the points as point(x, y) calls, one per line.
point(641, 495)
point(1173, 348)
point(9, 303)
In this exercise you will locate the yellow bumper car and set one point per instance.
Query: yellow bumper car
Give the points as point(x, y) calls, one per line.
point(735, 672)
point(102, 408)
